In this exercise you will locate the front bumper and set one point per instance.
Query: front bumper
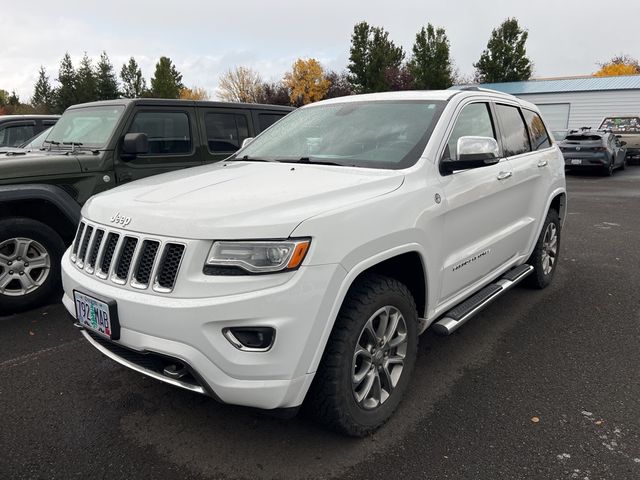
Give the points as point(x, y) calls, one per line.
point(190, 330)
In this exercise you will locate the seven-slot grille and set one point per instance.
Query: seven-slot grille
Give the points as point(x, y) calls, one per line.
point(122, 258)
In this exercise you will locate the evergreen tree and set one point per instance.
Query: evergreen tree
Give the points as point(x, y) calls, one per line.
point(505, 58)
point(430, 65)
point(43, 94)
point(106, 80)
point(65, 94)
point(133, 83)
point(166, 81)
point(372, 54)
point(86, 83)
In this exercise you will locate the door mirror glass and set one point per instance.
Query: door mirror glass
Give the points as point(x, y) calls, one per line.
point(247, 141)
point(473, 152)
point(135, 144)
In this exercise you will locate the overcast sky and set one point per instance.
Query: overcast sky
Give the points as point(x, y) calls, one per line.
point(205, 38)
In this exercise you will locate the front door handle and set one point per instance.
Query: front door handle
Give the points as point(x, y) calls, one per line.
point(543, 163)
point(504, 175)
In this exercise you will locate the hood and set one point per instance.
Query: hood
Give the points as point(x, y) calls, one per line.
point(34, 164)
point(236, 200)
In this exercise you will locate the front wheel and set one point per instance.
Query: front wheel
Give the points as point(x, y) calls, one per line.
point(368, 361)
point(544, 258)
point(30, 254)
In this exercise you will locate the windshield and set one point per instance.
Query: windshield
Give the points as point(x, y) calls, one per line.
point(374, 134)
point(88, 127)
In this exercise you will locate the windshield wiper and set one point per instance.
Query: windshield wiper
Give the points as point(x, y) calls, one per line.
point(314, 161)
point(51, 143)
point(247, 158)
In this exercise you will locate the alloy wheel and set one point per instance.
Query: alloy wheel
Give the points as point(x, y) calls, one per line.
point(379, 357)
point(24, 266)
point(549, 248)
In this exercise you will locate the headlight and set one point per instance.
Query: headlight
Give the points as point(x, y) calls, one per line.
point(256, 256)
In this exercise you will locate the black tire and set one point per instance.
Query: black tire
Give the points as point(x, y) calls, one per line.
point(331, 398)
point(624, 163)
point(607, 170)
point(538, 278)
point(51, 242)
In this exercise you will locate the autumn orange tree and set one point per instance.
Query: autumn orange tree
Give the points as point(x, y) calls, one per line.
point(195, 93)
point(306, 81)
point(620, 65)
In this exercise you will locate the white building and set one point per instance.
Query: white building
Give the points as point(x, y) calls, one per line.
point(571, 103)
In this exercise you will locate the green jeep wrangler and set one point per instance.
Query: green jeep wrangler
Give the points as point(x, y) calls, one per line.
point(94, 147)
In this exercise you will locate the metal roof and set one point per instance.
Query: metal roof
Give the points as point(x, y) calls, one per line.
point(583, 84)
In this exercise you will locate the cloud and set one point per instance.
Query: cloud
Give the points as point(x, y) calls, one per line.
point(205, 38)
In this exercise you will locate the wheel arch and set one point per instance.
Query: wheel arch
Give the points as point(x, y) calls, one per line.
point(406, 263)
point(48, 204)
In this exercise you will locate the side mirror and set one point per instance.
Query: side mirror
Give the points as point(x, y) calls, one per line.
point(246, 141)
point(134, 144)
point(618, 136)
point(473, 152)
point(623, 143)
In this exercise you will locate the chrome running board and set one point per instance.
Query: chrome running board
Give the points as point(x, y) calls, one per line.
point(461, 313)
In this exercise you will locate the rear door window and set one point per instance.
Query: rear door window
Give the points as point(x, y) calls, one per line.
point(169, 133)
point(515, 138)
point(225, 131)
point(14, 135)
point(539, 135)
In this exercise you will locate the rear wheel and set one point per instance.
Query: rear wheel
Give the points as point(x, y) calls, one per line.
point(607, 170)
point(30, 254)
point(368, 361)
point(544, 258)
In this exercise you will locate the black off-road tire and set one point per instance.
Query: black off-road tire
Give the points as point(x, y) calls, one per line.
point(18, 227)
point(538, 278)
point(330, 398)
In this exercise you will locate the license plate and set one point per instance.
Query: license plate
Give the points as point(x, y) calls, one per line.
point(97, 315)
point(576, 161)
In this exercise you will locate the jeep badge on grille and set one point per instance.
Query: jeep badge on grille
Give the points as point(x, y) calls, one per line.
point(120, 219)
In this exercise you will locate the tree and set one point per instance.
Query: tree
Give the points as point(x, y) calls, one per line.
point(133, 83)
point(166, 81)
point(241, 84)
point(306, 82)
point(371, 55)
point(65, 94)
point(619, 65)
point(106, 79)
point(86, 83)
point(275, 93)
point(195, 93)
point(430, 66)
point(399, 78)
point(43, 95)
point(505, 58)
point(339, 85)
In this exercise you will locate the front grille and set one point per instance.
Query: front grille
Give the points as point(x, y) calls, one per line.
point(145, 264)
point(95, 248)
point(119, 257)
point(85, 244)
point(76, 242)
point(169, 268)
point(126, 255)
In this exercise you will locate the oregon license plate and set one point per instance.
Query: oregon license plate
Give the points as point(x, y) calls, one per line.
point(576, 161)
point(97, 315)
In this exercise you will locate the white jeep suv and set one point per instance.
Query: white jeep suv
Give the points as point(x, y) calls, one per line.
point(307, 264)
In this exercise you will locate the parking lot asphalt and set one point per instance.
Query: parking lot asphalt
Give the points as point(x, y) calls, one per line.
point(540, 385)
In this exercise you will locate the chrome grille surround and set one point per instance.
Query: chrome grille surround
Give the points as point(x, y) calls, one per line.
point(127, 258)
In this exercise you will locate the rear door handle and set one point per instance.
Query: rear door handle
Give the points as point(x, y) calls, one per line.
point(504, 175)
point(543, 163)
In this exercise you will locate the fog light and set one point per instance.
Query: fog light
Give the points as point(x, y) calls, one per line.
point(250, 339)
